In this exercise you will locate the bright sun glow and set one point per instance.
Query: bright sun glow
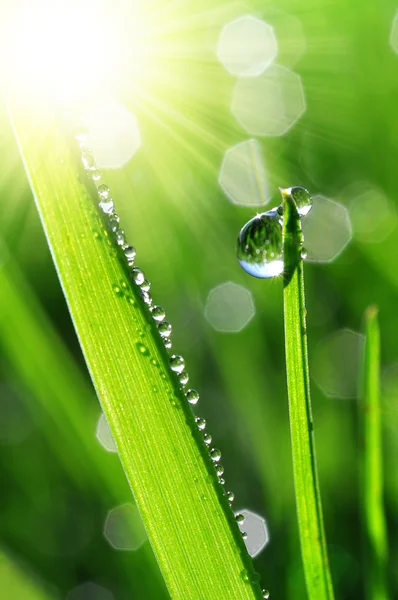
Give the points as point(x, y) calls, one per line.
point(64, 51)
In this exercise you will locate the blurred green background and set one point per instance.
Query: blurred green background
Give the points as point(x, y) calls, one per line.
point(58, 483)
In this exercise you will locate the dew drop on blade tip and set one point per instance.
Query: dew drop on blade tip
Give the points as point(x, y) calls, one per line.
point(260, 245)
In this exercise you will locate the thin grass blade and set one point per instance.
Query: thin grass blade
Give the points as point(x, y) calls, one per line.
point(308, 499)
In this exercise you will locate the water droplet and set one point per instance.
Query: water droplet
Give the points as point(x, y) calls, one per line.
point(146, 285)
point(88, 160)
point(221, 481)
point(204, 497)
point(244, 535)
point(201, 423)
point(230, 497)
point(142, 349)
point(118, 291)
point(137, 276)
point(207, 439)
point(304, 253)
point(263, 233)
point(192, 396)
point(245, 576)
point(95, 175)
point(177, 363)
point(113, 222)
point(239, 518)
point(302, 199)
point(154, 362)
point(167, 343)
point(215, 454)
point(106, 206)
point(120, 237)
point(158, 313)
point(146, 298)
point(183, 378)
point(164, 329)
point(129, 253)
point(266, 594)
point(103, 191)
point(219, 470)
point(131, 300)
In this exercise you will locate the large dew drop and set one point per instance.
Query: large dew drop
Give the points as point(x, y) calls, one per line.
point(260, 245)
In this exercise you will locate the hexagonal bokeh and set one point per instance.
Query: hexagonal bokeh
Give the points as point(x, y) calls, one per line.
point(327, 229)
point(270, 104)
point(373, 215)
point(256, 529)
point(89, 591)
point(242, 174)
point(289, 33)
point(113, 134)
point(16, 423)
point(335, 365)
point(394, 34)
point(104, 435)
point(124, 528)
point(247, 46)
point(229, 307)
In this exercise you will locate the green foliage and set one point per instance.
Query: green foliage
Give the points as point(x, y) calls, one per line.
point(308, 498)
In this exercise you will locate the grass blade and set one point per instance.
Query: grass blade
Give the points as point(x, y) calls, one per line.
point(308, 499)
point(371, 480)
point(189, 523)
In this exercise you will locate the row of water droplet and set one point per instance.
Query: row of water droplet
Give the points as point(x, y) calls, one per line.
point(158, 314)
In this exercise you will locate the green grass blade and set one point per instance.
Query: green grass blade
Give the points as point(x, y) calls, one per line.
point(371, 480)
point(308, 499)
point(17, 583)
point(189, 523)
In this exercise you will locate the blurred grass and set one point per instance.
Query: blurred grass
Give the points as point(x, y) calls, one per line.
point(371, 490)
point(348, 134)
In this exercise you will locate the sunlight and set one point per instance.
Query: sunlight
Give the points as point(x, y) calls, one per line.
point(66, 52)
